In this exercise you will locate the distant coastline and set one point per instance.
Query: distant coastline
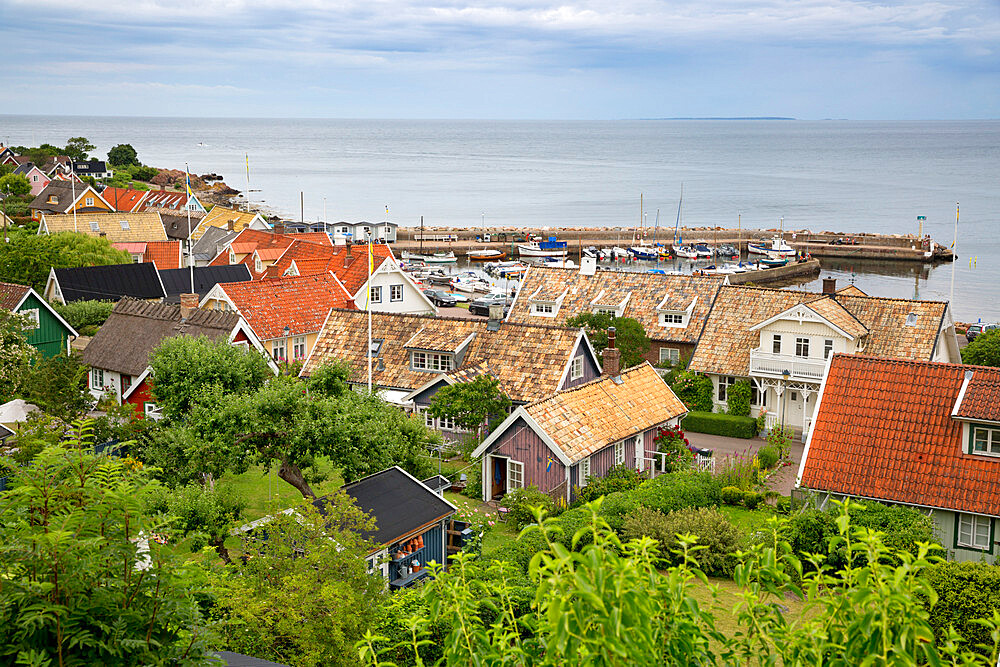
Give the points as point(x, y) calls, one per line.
point(723, 118)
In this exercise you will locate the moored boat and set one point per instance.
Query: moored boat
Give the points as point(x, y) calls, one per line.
point(643, 252)
point(702, 250)
point(550, 248)
point(485, 255)
point(776, 246)
point(685, 251)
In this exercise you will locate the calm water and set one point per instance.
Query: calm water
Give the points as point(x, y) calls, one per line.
point(840, 176)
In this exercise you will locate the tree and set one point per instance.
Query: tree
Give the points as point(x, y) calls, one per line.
point(27, 258)
point(202, 513)
point(85, 316)
point(16, 354)
point(78, 147)
point(58, 385)
point(123, 155)
point(984, 350)
point(79, 586)
point(470, 404)
point(183, 366)
point(305, 596)
point(15, 184)
point(630, 336)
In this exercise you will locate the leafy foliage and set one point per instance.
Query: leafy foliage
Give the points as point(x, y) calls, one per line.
point(16, 354)
point(85, 316)
point(630, 335)
point(720, 424)
point(520, 502)
point(330, 379)
point(984, 350)
point(671, 441)
point(73, 590)
point(694, 390)
point(678, 490)
point(738, 398)
point(28, 257)
point(78, 148)
point(203, 513)
point(305, 596)
point(58, 385)
point(713, 530)
point(965, 592)
point(471, 404)
point(768, 457)
point(123, 155)
point(15, 184)
point(618, 478)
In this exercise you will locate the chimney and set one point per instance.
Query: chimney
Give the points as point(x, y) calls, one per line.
point(612, 356)
point(496, 317)
point(189, 303)
point(348, 258)
point(829, 285)
point(231, 226)
point(279, 228)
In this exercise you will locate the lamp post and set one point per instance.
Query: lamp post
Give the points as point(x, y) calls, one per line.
point(785, 374)
point(287, 331)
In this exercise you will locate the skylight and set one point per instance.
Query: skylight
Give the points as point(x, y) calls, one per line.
point(911, 320)
point(124, 224)
point(94, 227)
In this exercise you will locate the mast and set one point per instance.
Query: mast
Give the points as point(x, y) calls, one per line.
point(421, 235)
point(641, 225)
point(187, 205)
point(739, 237)
point(678, 225)
point(954, 256)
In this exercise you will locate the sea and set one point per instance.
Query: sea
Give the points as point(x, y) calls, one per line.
point(836, 175)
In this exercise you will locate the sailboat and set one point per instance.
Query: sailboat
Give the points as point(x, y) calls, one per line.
point(485, 254)
point(643, 250)
point(681, 250)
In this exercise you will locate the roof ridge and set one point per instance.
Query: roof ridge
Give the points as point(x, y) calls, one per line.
point(599, 379)
point(453, 318)
point(918, 362)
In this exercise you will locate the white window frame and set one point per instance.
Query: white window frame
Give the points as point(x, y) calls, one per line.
point(446, 424)
point(827, 347)
point(725, 382)
point(673, 320)
point(802, 345)
point(97, 378)
point(543, 309)
point(89, 201)
point(376, 293)
point(32, 315)
point(149, 407)
point(775, 343)
point(430, 361)
point(613, 312)
point(973, 526)
point(395, 293)
point(515, 475)
point(429, 420)
point(257, 264)
point(299, 347)
point(94, 226)
point(620, 452)
point(279, 350)
point(673, 354)
point(991, 440)
point(576, 368)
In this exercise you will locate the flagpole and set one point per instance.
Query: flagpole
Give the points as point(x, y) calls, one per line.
point(954, 261)
point(72, 183)
point(187, 205)
point(369, 304)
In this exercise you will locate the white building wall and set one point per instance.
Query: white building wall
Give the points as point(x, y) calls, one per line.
point(413, 301)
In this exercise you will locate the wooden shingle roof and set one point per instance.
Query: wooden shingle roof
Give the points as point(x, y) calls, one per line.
point(588, 418)
point(645, 291)
point(884, 429)
point(529, 360)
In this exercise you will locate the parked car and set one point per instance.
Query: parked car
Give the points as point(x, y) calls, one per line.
point(439, 298)
point(976, 329)
point(481, 306)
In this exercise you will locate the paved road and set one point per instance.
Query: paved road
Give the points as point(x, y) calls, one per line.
point(782, 481)
point(458, 312)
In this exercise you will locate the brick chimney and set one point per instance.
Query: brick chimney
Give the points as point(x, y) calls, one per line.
point(348, 258)
point(829, 285)
point(231, 226)
point(612, 356)
point(189, 303)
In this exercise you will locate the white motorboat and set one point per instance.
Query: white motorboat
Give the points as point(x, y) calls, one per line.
point(550, 248)
point(552, 261)
point(436, 258)
point(776, 246)
point(686, 251)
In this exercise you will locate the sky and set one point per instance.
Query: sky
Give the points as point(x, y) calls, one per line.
point(503, 59)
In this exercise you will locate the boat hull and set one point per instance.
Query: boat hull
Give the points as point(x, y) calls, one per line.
point(527, 251)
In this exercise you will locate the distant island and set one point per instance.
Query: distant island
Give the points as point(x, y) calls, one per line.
point(723, 118)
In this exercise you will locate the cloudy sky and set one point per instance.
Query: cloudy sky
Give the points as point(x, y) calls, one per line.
point(587, 59)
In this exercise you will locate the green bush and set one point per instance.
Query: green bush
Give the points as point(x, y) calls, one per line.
point(809, 531)
point(712, 528)
point(616, 506)
point(694, 390)
point(966, 591)
point(82, 314)
point(144, 173)
point(618, 478)
point(572, 522)
point(731, 495)
point(474, 482)
point(520, 503)
point(738, 399)
point(768, 457)
point(720, 424)
point(903, 527)
point(752, 499)
point(678, 490)
point(783, 506)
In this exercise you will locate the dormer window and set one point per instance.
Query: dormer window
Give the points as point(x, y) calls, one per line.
point(672, 319)
point(53, 199)
point(607, 311)
point(544, 309)
point(376, 347)
point(257, 264)
point(670, 313)
point(232, 256)
point(431, 361)
point(985, 440)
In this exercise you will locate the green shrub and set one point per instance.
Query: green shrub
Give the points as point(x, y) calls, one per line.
point(809, 531)
point(768, 457)
point(720, 424)
point(966, 591)
point(85, 314)
point(144, 173)
point(694, 390)
point(518, 551)
point(903, 527)
point(752, 499)
point(712, 528)
point(473, 482)
point(738, 399)
point(616, 506)
point(783, 506)
point(618, 478)
point(731, 495)
point(520, 503)
point(781, 439)
point(572, 522)
point(678, 490)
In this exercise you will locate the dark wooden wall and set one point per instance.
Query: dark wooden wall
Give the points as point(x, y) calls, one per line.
point(520, 443)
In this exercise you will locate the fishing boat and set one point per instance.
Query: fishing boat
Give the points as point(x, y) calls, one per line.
point(776, 246)
point(486, 255)
point(550, 248)
point(702, 250)
point(685, 251)
point(772, 262)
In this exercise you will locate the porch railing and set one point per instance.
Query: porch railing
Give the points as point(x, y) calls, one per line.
point(658, 460)
point(774, 365)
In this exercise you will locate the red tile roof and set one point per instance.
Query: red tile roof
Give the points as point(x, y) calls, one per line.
point(312, 258)
point(166, 254)
point(982, 398)
point(884, 429)
point(124, 200)
point(301, 303)
point(11, 295)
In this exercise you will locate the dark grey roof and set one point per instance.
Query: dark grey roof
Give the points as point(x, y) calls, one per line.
point(436, 483)
point(208, 244)
point(5, 433)
point(24, 168)
point(176, 225)
point(231, 659)
point(110, 283)
point(398, 503)
point(178, 281)
point(63, 191)
point(134, 329)
point(90, 167)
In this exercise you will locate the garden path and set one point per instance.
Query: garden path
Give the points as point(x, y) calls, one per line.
point(782, 481)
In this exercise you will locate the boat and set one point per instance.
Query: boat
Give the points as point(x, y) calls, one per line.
point(550, 248)
point(686, 252)
point(485, 255)
point(552, 261)
point(776, 246)
point(772, 262)
point(702, 250)
point(643, 252)
point(615, 252)
point(728, 250)
point(592, 252)
point(436, 258)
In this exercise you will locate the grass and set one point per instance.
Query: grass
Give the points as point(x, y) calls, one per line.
point(747, 521)
point(269, 493)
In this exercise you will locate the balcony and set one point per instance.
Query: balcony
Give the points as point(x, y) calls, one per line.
point(802, 369)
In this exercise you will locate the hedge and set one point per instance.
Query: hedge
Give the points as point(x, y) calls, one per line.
point(720, 424)
point(966, 591)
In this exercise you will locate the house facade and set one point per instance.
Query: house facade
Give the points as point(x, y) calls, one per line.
point(917, 433)
point(671, 309)
point(66, 197)
point(36, 177)
point(357, 232)
point(561, 442)
point(167, 201)
point(780, 341)
point(96, 168)
point(51, 334)
point(118, 355)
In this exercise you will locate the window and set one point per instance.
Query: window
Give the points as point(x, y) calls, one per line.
point(124, 224)
point(430, 361)
point(32, 315)
point(53, 199)
point(428, 420)
point(94, 227)
point(278, 350)
point(911, 319)
point(801, 347)
point(34, 178)
point(96, 378)
point(232, 256)
point(137, 259)
point(672, 319)
point(725, 382)
point(515, 474)
point(619, 453)
point(543, 309)
point(985, 440)
point(149, 409)
point(126, 383)
point(257, 264)
point(299, 347)
point(776, 343)
point(755, 395)
point(576, 368)
point(395, 292)
point(973, 532)
point(446, 424)
point(584, 472)
point(376, 294)
point(827, 348)
point(89, 201)
point(671, 354)
point(793, 396)
point(607, 311)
